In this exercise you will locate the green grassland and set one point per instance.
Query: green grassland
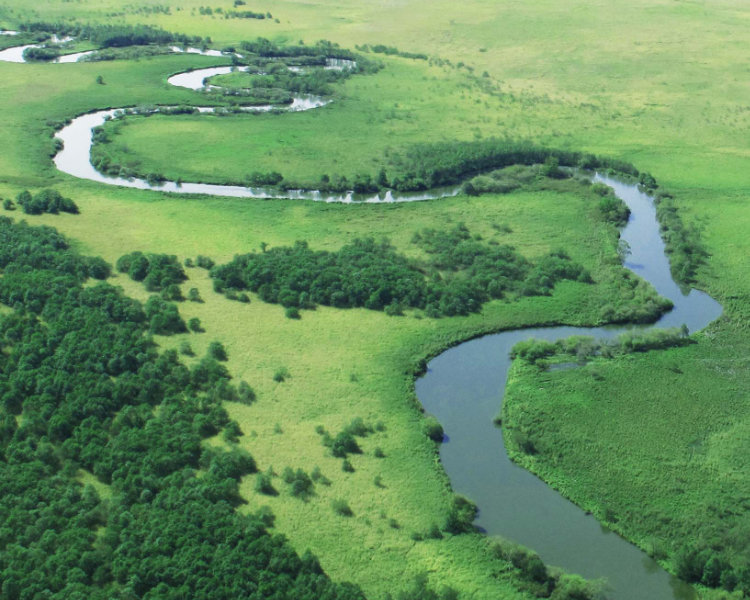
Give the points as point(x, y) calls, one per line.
point(662, 84)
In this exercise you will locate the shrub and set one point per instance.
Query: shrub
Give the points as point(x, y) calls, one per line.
point(317, 476)
point(300, 483)
point(341, 507)
point(245, 394)
point(461, 515)
point(204, 262)
point(264, 483)
point(216, 351)
point(432, 428)
point(281, 375)
point(195, 325)
point(344, 444)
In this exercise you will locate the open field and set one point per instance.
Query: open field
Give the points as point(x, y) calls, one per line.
point(661, 84)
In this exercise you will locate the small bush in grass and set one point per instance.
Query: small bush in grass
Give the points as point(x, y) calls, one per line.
point(378, 452)
point(217, 351)
point(204, 262)
point(292, 313)
point(301, 484)
point(186, 349)
point(281, 375)
point(194, 295)
point(245, 394)
point(232, 432)
point(264, 483)
point(341, 507)
point(434, 532)
point(347, 466)
point(317, 476)
point(194, 325)
point(358, 427)
point(344, 444)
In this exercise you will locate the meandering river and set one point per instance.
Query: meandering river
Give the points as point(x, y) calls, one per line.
point(464, 386)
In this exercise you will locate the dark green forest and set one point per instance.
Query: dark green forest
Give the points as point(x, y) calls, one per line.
point(83, 388)
point(461, 273)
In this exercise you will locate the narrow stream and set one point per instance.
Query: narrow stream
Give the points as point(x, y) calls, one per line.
point(464, 389)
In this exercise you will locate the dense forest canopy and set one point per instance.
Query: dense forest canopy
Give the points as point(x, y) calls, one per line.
point(83, 389)
point(460, 274)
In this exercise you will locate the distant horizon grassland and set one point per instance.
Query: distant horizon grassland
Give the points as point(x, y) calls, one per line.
point(661, 84)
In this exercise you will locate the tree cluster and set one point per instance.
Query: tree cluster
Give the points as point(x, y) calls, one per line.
point(711, 568)
point(157, 271)
point(84, 389)
point(431, 165)
point(111, 35)
point(459, 274)
point(45, 201)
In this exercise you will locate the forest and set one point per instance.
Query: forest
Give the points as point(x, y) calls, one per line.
point(461, 272)
point(84, 391)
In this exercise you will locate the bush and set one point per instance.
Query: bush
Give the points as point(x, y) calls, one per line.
point(292, 312)
point(344, 444)
point(245, 394)
point(432, 428)
point(281, 375)
point(204, 262)
point(216, 351)
point(264, 483)
point(461, 516)
point(341, 507)
point(300, 483)
point(195, 325)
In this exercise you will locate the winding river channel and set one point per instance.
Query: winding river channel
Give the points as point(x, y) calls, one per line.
point(464, 386)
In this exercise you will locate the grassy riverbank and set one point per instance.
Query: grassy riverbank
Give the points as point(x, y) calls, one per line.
point(660, 84)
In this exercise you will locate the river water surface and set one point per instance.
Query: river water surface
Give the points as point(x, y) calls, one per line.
point(464, 389)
